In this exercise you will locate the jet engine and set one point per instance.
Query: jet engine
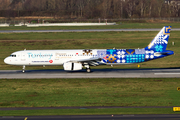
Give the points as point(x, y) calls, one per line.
point(72, 66)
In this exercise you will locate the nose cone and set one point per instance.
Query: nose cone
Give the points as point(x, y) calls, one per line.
point(6, 60)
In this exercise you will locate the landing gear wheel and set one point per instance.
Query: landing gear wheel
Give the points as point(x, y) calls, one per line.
point(88, 70)
point(23, 70)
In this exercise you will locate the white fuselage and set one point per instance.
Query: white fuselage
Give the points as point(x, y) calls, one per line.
point(47, 57)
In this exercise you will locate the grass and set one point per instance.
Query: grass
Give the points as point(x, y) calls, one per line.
point(89, 92)
point(121, 25)
point(11, 42)
point(113, 111)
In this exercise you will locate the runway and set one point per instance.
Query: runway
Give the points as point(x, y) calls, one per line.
point(96, 73)
point(82, 107)
point(96, 117)
point(85, 30)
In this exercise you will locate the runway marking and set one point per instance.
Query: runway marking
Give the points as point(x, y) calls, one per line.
point(167, 73)
point(167, 70)
point(7, 116)
point(128, 115)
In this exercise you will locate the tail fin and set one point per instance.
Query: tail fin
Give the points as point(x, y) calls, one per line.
point(159, 43)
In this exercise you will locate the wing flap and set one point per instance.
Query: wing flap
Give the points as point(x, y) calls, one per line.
point(91, 61)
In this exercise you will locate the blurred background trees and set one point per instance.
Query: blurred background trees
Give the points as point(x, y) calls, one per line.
point(90, 9)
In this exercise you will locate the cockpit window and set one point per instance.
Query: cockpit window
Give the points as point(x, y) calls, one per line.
point(12, 55)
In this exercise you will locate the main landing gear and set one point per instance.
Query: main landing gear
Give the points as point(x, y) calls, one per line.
point(88, 69)
point(23, 69)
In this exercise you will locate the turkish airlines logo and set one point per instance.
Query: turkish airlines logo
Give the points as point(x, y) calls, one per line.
point(51, 61)
point(105, 57)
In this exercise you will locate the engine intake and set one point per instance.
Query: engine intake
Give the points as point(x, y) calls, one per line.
point(70, 66)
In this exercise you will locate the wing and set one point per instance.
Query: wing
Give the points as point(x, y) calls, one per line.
point(91, 61)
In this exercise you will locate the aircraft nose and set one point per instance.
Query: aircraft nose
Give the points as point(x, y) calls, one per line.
point(6, 60)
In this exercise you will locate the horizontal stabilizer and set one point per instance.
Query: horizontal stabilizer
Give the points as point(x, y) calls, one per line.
point(157, 54)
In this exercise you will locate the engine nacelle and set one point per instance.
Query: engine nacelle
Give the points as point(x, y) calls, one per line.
point(72, 66)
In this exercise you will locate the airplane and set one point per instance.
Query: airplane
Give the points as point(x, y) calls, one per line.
point(73, 60)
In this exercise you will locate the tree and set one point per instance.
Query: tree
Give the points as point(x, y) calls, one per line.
point(130, 5)
point(4, 4)
point(174, 8)
point(105, 8)
point(117, 8)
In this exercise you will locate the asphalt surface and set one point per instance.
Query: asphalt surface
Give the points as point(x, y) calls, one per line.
point(96, 117)
point(91, 117)
point(83, 30)
point(96, 73)
point(90, 107)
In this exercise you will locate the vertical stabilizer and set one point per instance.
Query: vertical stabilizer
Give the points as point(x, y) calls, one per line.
point(159, 43)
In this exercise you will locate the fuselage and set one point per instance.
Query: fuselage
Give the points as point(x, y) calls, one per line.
point(59, 57)
point(47, 57)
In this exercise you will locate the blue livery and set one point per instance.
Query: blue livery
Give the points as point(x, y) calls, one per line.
point(156, 49)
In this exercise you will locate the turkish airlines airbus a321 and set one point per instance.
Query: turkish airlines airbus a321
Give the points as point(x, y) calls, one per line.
point(73, 60)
